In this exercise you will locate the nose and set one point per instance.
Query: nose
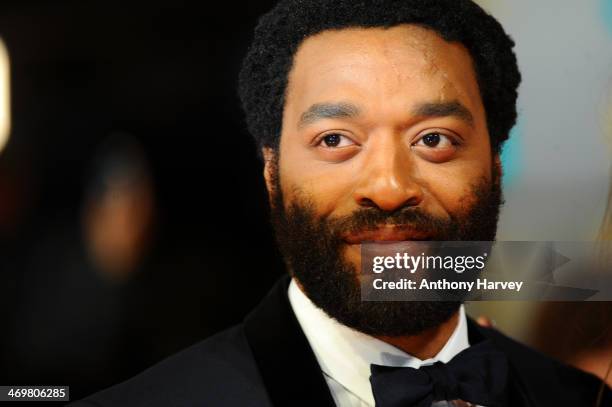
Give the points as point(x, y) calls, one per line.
point(388, 181)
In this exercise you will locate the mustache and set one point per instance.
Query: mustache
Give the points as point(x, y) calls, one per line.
point(370, 219)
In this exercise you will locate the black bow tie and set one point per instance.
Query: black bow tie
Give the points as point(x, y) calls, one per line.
point(477, 375)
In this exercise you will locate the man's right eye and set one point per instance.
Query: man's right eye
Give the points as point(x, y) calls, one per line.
point(335, 140)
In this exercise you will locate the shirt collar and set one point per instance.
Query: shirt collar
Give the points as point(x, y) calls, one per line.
point(346, 354)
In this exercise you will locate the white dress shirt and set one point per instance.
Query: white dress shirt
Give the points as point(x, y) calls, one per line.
point(345, 354)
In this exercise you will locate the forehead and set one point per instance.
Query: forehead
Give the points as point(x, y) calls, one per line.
point(382, 65)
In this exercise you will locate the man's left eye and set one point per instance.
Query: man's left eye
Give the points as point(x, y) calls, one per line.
point(434, 140)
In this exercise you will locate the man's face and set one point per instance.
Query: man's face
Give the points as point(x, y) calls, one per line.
point(384, 137)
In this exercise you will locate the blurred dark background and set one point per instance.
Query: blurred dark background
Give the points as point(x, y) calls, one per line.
point(133, 214)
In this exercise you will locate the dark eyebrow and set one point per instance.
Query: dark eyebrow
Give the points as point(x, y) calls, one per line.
point(320, 111)
point(442, 109)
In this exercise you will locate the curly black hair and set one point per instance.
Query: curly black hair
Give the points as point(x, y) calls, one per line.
point(264, 74)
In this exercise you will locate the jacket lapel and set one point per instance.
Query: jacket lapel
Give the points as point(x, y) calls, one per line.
point(517, 394)
point(288, 366)
point(536, 380)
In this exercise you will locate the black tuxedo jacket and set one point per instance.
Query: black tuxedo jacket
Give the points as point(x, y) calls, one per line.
point(267, 361)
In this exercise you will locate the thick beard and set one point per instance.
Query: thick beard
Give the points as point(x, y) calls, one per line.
point(312, 250)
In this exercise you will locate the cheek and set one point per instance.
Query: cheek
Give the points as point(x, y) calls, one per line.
point(453, 183)
point(326, 185)
point(452, 186)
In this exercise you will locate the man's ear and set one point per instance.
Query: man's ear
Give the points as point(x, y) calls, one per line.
point(268, 170)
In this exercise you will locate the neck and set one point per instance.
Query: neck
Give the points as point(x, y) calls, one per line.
point(427, 344)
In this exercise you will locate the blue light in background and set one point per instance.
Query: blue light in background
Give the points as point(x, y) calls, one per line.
point(511, 156)
point(606, 14)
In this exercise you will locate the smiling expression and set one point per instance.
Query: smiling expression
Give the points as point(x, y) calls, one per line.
point(385, 118)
